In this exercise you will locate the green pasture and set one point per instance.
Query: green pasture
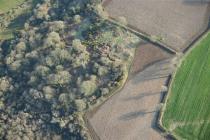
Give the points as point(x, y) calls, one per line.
point(187, 112)
point(6, 5)
point(17, 23)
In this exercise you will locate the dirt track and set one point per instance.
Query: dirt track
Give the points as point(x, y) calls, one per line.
point(178, 22)
point(130, 114)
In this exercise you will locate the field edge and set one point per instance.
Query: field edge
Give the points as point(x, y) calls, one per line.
point(168, 93)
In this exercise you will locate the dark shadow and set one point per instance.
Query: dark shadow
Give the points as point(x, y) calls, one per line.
point(154, 122)
point(155, 71)
point(142, 43)
point(155, 126)
point(196, 2)
point(134, 115)
point(153, 76)
point(142, 95)
point(143, 79)
point(18, 22)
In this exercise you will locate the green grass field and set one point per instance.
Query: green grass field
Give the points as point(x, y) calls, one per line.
point(187, 113)
point(6, 5)
point(17, 23)
point(6, 34)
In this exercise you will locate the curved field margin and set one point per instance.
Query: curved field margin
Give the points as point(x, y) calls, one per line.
point(131, 113)
point(187, 112)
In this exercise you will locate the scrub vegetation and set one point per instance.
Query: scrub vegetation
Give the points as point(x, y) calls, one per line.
point(64, 59)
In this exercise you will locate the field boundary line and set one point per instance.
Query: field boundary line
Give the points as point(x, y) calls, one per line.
point(93, 108)
point(168, 93)
point(200, 33)
point(142, 35)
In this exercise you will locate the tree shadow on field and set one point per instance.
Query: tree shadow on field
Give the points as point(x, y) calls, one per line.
point(19, 21)
point(142, 95)
point(196, 2)
point(134, 115)
point(142, 43)
point(155, 126)
point(158, 70)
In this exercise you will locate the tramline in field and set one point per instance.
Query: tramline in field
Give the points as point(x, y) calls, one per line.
point(187, 113)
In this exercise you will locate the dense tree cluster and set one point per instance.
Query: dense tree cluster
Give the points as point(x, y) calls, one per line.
point(62, 62)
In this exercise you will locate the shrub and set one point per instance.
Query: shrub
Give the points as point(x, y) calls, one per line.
point(88, 87)
point(80, 104)
point(61, 78)
point(4, 84)
point(49, 92)
point(53, 39)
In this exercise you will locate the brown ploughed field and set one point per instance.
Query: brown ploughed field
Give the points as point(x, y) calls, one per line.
point(147, 54)
point(177, 22)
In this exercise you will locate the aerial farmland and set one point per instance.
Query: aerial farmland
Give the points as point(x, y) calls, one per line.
point(187, 109)
point(175, 22)
point(104, 69)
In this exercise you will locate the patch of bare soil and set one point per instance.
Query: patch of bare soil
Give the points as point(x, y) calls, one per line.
point(131, 113)
point(177, 22)
point(147, 54)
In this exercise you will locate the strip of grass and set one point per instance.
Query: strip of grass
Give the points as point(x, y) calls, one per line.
point(16, 23)
point(6, 5)
point(6, 35)
point(187, 113)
